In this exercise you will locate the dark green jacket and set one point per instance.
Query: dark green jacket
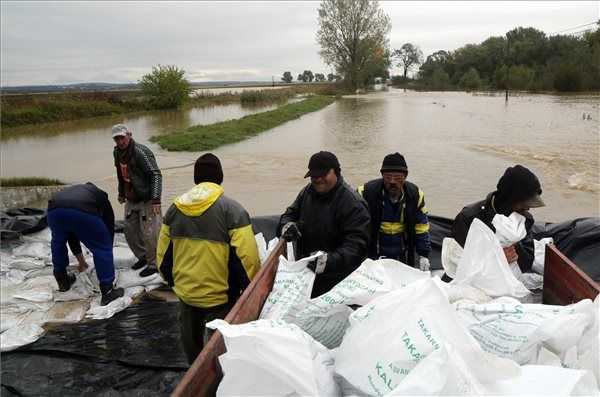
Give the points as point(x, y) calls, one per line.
point(144, 173)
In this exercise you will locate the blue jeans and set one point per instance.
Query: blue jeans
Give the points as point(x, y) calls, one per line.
point(91, 231)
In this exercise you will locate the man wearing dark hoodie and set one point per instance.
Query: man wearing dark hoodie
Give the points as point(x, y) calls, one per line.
point(140, 188)
point(518, 190)
point(328, 215)
point(206, 252)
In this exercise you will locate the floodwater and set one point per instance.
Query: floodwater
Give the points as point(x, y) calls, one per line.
point(456, 144)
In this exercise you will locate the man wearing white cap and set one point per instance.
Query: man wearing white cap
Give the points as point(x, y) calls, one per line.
point(140, 188)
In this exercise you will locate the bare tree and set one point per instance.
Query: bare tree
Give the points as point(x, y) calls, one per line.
point(353, 35)
point(409, 55)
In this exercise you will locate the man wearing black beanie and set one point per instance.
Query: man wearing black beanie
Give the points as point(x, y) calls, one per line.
point(206, 252)
point(399, 223)
point(518, 190)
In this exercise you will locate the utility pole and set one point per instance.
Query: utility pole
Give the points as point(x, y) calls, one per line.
point(273, 80)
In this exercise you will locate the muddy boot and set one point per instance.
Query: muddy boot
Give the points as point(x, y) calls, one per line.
point(139, 264)
point(150, 270)
point(109, 293)
point(64, 280)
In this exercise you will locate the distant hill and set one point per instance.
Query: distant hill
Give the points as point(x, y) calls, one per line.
point(87, 87)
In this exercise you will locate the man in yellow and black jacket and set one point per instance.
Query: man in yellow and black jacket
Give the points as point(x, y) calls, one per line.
point(206, 252)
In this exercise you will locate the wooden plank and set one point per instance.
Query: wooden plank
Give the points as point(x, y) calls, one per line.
point(564, 282)
point(203, 377)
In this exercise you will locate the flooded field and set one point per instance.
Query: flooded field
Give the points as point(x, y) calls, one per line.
point(456, 144)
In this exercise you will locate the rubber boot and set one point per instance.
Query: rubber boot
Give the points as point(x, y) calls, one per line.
point(109, 293)
point(150, 270)
point(139, 264)
point(64, 280)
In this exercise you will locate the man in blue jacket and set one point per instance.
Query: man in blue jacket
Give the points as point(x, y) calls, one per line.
point(82, 213)
point(399, 223)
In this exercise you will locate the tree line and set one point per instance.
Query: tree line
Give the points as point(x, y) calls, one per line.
point(523, 59)
point(308, 77)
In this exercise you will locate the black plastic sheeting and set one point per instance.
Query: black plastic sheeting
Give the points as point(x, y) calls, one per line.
point(18, 221)
point(135, 353)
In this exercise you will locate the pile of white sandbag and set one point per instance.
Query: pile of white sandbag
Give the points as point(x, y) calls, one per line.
point(30, 297)
point(412, 334)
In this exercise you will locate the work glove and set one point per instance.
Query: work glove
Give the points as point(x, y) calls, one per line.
point(290, 232)
point(318, 265)
point(424, 264)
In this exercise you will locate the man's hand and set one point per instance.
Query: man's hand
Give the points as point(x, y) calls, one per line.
point(121, 199)
point(290, 232)
point(424, 264)
point(82, 266)
point(156, 209)
point(318, 265)
point(511, 254)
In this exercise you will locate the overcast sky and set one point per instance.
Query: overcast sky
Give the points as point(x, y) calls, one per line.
point(70, 42)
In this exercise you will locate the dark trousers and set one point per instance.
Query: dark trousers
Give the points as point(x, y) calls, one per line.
point(192, 326)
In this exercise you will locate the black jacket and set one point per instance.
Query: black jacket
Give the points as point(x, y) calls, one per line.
point(87, 198)
point(484, 211)
point(373, 194)
point(336, 222)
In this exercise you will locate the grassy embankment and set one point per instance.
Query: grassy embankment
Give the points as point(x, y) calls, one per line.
point(207, 137)
point(17, 110)
point(29, 181)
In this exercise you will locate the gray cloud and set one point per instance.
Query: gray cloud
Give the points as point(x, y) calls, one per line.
point(62, 42)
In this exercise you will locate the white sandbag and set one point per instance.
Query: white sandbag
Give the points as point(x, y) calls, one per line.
point(483, 265)
point(26, 264)
point(273, 358)
point(123, 257)
point(131, 278)
point(536, 380)
point(34, 250)
point(539, 258)
point(451, 253)
point(291, 289)
point(509, 229)
point(82, 289)
point(325, 317)
point(97, 312)
point(20, 335)
point(261, 244)
point(509, 329)
point(532, 281)
point(462, 292)
point(39, 289)
point(11, 318)
point(67, 312)
point(389, 336)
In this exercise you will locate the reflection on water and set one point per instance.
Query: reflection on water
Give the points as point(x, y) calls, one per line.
point(457, 145)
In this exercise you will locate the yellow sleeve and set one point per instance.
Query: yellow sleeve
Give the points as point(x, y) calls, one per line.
point(162, 248)
point(244, 243)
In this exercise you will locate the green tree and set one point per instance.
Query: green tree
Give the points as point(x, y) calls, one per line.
point(409, 56)
point(287, 77)
point(520, 77)
point(308, 76)
point(568, 78)
point(439, 79)
point(351, 34)
point(319, 77)
point(331, 77)
point(166, 86)
point(471, 80)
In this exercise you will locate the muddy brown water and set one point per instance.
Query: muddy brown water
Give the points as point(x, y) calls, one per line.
point(457, 145)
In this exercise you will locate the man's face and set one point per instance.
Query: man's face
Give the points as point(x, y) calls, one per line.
point(122, 141)
point(521, 208)
point(393, 182)
point(325, 183)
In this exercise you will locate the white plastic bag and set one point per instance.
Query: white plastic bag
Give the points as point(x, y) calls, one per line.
point(509, 329)
point(20, 335)
point(451, 253)
point(539, 248)
point(483, 265)
point(325, 317)
point(273, 358)
point(291, 289)
point(389, 336)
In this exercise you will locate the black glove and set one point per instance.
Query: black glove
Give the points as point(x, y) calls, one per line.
point(290, 232)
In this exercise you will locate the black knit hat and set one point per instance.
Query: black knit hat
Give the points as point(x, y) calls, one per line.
point(394, 162)
point(320, 163)
point(520, 185)
point(208, 169)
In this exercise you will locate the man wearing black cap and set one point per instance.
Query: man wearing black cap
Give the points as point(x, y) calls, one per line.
point(399, 224)
point(327, 216)
point(518, 190)
point(206, 252)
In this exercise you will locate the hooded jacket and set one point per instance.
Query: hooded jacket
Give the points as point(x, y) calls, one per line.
point(144, 174)
point(201, 232)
